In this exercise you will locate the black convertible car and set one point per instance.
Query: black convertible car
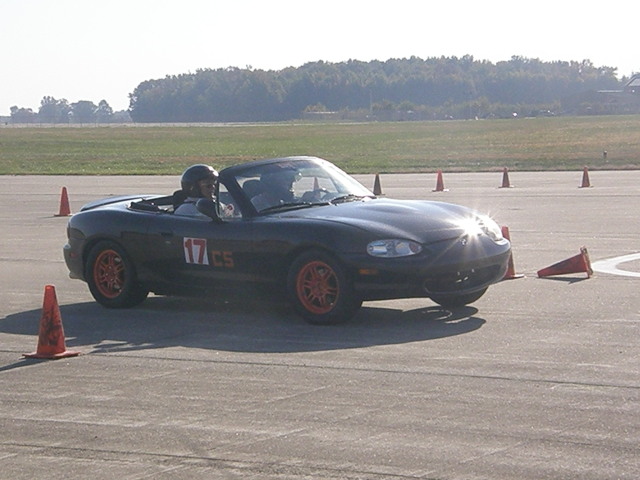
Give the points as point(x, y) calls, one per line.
point(327, 242)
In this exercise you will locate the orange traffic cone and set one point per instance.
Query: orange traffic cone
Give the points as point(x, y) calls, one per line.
point(377, 189)
point(577, 264)
point(439, 183)
point(511, 271)
point(585, 178)
point(51, 343)
point(65, 211)
point(505, 179)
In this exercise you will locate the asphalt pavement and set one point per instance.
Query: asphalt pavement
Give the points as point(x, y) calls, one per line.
point(540, 379)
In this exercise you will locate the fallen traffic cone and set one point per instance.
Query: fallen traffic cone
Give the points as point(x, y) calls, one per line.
point(505, 179)
point(65, 211)
point(377, 189)
point(585, 178)
point(439, 183)
point(511, 271)
point(51, 343)
point(577, 264)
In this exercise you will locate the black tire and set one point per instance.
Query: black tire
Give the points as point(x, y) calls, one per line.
point(111, 277)
point(320, 290)
point(453, 301)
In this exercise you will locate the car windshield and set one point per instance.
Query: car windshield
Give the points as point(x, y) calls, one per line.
point(299, 183)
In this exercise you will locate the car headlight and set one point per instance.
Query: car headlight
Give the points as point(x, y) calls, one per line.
point(481, 224)
point(392, 248)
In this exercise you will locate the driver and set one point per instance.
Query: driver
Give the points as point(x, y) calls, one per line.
point(277, 189)
point(198, 181)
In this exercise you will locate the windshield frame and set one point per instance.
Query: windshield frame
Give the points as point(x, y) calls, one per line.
point(289, 183)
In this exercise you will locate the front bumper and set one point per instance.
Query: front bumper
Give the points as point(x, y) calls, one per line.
point(454, 268)
point(73, 259)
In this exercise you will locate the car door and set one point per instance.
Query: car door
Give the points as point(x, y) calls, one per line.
point(199, 251)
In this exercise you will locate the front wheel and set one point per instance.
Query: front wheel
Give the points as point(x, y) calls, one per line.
point(111, 277)
point(320, 289)
point(453, 301)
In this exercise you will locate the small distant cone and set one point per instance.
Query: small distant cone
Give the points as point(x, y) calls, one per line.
point(65, 211)
point(377, 189)
point(505, 179)
point(511, 271)
point(585, 178)
point(439, 183)
point(579, 263)
point(51, 343)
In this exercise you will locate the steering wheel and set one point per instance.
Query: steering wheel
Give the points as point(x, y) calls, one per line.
point(317, 195)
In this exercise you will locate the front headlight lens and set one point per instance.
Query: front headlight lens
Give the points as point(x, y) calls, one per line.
point(491, 229)
point(482, 224)
point(392, 248)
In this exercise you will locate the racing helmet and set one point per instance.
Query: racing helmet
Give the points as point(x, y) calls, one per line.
point(280, 182)
point(194, 174)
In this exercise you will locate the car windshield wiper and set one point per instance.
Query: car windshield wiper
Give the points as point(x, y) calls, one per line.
point(350, 197)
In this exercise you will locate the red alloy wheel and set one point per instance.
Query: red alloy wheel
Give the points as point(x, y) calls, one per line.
point(109, 273)
point(317, 287)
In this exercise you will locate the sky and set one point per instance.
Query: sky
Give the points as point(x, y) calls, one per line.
point(103, 49)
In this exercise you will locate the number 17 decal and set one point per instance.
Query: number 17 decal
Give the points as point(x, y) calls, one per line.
point(195, 250)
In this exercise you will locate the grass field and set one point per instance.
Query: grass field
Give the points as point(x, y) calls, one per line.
point(556, 143)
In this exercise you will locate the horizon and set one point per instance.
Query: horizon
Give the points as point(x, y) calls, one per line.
point(71, 49)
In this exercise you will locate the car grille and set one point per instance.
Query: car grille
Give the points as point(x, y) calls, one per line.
point(461, 281)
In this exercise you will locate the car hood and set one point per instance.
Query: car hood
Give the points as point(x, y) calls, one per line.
point(422, 221)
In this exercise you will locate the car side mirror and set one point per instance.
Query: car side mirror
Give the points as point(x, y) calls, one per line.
point(208, 207)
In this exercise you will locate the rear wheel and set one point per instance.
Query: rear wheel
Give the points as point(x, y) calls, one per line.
point(453, 301)
point(111, 277)
point(320, 289)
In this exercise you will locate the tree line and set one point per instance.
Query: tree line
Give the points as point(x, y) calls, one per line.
point(57, 111)
point(444, 87)
point(395, 89)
